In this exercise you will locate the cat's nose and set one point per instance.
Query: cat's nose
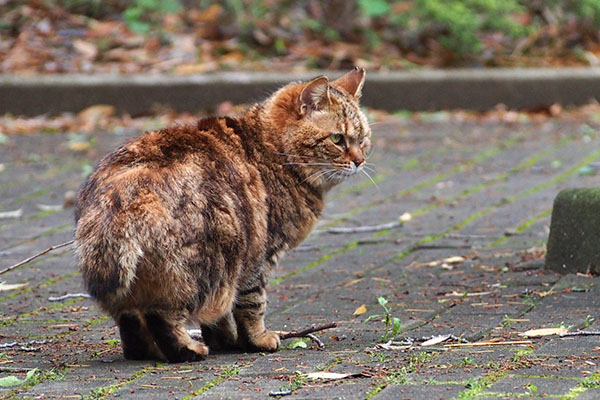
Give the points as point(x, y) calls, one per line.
point(358, 160)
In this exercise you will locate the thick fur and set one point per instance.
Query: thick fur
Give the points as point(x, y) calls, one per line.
point(184, 224)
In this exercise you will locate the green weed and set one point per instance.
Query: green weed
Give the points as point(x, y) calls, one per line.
point(393, 325)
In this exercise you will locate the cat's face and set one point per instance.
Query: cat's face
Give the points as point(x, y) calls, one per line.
point(329, 138)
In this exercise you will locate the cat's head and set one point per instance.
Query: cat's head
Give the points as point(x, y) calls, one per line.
point(323, 132)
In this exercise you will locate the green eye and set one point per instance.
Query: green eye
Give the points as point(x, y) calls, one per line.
point(337, 138)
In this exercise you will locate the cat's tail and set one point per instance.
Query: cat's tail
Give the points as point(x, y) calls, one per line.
point(108, 259)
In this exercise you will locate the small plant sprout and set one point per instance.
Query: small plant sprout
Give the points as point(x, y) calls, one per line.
point(393, 325)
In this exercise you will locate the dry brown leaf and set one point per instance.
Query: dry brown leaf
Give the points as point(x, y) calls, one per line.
point(453, 260)
point(79, 146)
point(485, 268)
point(360, 310)
point(543, 332)
point(86, 49)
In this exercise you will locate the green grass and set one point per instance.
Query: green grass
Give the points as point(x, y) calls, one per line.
point(105, 391)
point(229, 372)
point(400, 376)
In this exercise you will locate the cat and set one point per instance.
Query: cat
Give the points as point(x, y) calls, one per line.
point(184, 224)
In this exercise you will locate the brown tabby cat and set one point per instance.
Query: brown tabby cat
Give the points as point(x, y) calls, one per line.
point(184, 224)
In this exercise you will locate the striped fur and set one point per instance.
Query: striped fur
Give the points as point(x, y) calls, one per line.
point(184, 224)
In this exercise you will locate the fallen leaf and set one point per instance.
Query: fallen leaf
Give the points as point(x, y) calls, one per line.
point(4, 287)
point(9, 381)
point(48, 207)
point(298, 344)
point(86, 49)
point(360, 310)
point(586, 170)
point(93, 116)
point(453, 260)
point(353, 282)
point(405, 217)
point(79, 146)
point(543, 332)
point(390, 346)
point(12, 214)
point(435, 340)
point(485, 268)
point(330, 375)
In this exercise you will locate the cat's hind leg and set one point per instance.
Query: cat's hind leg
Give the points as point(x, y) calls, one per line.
point(222, 335)
point(249, 312)
point(136, 340)
point(173, 339)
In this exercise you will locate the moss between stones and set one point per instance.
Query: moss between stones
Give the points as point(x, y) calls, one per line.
point(574, 242)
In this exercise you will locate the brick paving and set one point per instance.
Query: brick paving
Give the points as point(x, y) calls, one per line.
point(479, 190)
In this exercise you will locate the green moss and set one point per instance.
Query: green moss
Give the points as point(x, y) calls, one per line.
point(229, 372)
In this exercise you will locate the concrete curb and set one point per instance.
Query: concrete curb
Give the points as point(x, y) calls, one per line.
point(474, 89)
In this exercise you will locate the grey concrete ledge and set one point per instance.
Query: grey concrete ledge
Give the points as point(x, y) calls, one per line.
point(476, 89)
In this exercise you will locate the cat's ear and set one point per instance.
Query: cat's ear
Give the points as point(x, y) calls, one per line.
point(314, 96)
point(352, 82)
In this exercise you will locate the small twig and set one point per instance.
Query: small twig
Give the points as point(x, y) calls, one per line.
point(276, 393)
point(23, 346)
point(476, 344)
point(25, 261)
point(359, 229)
point(315, 339)
point(68, 296)
point(13, 344)
point(306, 332)
point(441, 246)
point(581, 333)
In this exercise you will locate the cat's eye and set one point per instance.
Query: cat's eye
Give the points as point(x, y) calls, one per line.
point(337, 138)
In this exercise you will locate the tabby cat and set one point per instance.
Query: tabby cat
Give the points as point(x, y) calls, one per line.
point(184, 224)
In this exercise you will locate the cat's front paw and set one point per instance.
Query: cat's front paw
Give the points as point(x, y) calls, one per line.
point(268, 341)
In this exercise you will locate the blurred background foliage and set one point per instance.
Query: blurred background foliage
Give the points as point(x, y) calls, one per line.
point(195, 36)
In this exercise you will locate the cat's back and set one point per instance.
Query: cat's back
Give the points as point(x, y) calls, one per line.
point(168, 162)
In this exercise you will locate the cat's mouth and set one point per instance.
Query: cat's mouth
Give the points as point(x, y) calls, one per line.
point(346, 172)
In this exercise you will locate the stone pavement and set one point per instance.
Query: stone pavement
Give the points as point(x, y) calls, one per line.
point(479, 190)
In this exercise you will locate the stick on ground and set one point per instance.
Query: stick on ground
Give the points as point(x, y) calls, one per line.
point(25, 261)
point(306, 332)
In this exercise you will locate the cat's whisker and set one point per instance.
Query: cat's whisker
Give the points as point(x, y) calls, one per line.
point(306, 163)
point(371, 179)
point(369, 169)
point(315, 176)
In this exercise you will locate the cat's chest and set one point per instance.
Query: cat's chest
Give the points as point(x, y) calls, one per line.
point(292, 212)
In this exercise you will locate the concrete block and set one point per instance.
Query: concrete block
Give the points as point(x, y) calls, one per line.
point(574, 242)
